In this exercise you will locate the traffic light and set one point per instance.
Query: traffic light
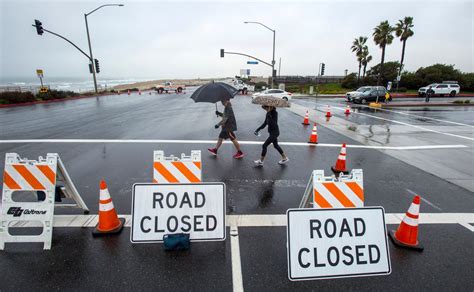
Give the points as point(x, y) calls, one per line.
point(322, 68)
point(222, 53)
point(97, 68)
point(39, 27)
point(90, 68)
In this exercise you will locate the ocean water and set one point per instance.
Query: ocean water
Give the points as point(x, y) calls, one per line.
point(71, 84)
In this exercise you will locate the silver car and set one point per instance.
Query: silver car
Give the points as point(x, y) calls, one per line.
point(353, 94)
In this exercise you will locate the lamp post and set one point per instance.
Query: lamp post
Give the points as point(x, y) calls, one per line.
point(273, 58)
point(89, 40)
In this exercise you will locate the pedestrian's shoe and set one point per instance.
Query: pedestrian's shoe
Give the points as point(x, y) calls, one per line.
point(283, 161)
point(239, 155)
point(258, 162)
point(213, 151)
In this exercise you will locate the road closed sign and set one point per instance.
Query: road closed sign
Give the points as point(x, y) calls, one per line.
point(336, 243)
point(159, 209)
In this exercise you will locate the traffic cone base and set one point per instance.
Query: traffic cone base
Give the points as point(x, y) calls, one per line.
point(417, 247)
point(96, 232)
point(339, 171)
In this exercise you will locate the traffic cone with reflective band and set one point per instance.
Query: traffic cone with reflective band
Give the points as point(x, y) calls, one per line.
point(407, 232)
point(328, 112)
point(341, 162)
point(109, 223)
point(314, 135)
point(347, 111)
point(306, 119)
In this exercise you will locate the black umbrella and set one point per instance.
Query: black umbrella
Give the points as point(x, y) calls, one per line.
point(214, 92)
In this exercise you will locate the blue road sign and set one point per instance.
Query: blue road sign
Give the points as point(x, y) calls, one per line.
point(252, 62)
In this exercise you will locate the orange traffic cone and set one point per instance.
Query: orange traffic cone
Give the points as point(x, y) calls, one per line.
point(341, 162)
point(328, 112)
point(129, 92)
point(306, 119)
point(407, 232)
point(314, 135)
point(347, 111)
point(109, 223)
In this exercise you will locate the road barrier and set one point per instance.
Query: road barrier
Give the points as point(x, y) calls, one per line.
point(48, 179)
point(345, 191)
point(175, 170)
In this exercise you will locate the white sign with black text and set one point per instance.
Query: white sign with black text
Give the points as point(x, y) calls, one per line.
point(337, 243)
point(159, 209)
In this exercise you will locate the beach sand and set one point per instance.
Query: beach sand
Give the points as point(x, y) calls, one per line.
point(146, 85)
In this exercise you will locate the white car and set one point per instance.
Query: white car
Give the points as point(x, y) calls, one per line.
point(276, 93)
point(352, 94)
point(441, 89)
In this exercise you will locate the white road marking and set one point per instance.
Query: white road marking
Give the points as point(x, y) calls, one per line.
point(410, 125)
point(150, 141)
point(423, 117)
point(467, 225)
point(237, 281)
point(424, 200)
point(257, 220)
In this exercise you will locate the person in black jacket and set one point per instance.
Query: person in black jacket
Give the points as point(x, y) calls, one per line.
point(271, 120)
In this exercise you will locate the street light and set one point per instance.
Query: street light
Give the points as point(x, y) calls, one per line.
point(273, 59)
point(89, 40)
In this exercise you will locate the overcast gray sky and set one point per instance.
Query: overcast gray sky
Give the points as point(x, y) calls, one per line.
point(164, 39)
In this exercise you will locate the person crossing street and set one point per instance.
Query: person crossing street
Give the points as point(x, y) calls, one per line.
point(229, 126)
point(271, 121)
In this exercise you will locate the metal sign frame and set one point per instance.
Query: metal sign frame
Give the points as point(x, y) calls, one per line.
point(179, 184)
point(338, 275)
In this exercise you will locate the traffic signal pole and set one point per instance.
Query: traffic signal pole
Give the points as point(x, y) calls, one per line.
point(91, 56)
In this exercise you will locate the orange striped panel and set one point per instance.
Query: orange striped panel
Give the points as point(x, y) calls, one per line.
point(198, 164)
point(186, 172)
point(331, 187)
point(165, 173)
point(28, 176)
point(10, 182)
point(320, 200)
point(48, 172)
point(356, 189)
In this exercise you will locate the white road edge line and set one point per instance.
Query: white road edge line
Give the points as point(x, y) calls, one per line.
point(410, 125)
point(424, 200)
point(237, 281)
point(303, 144)
point(257, 220)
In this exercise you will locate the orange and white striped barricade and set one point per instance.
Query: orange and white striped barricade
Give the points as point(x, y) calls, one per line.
point(42, 178)
point(346, 191)
point(186, 169)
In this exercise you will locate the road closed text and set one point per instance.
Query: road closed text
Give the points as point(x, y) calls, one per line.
point(195, 222)
point(159, 209)
point(333, 243)
point(356, 254)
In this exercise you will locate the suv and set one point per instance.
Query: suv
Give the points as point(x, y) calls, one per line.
point(371, 95)
point(441, 89)
point(351, 94)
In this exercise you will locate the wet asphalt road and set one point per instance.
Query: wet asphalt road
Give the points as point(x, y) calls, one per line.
point(250, 190)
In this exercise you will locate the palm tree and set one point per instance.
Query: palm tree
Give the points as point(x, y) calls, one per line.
point(382, 37)
point(357, 47)
point(403, 31)
point(366, 58)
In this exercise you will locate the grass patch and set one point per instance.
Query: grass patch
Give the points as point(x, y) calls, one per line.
point(329, 88)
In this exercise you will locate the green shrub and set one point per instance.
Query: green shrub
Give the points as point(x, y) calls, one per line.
point(458, 101)
point(467, 101)
point(10, 97)
point(55, 94)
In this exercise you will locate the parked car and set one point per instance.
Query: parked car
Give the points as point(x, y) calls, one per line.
point(371, 95)
point(276, 93)
point(351, 94)
point(441, 89)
